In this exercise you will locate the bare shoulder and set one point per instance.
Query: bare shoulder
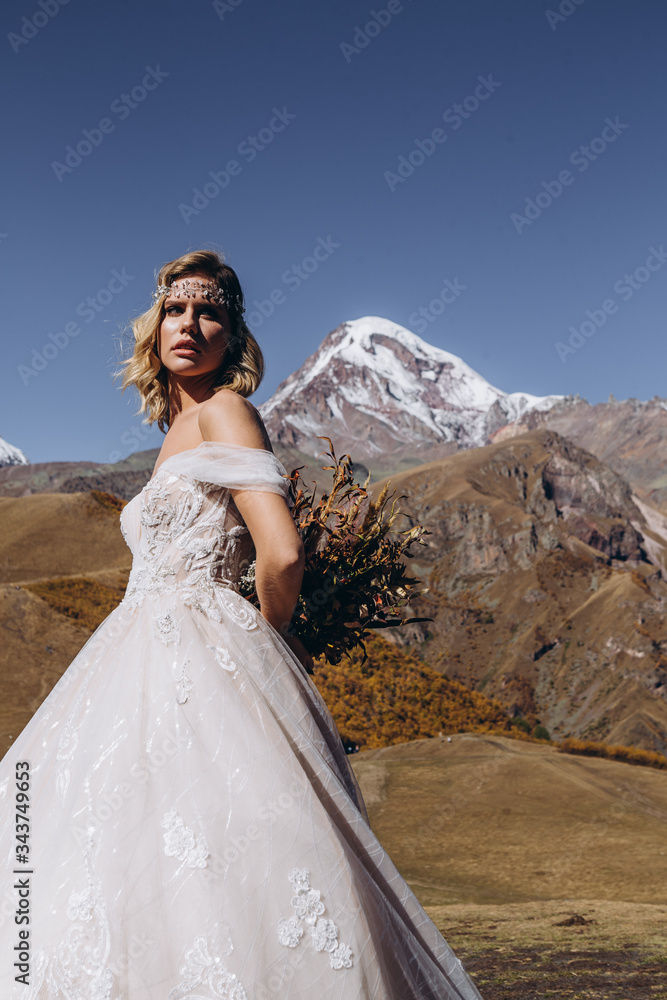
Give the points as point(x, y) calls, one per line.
point(232, 419)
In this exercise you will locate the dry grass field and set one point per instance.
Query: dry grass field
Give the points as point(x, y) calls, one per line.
point(569, 950)
point(547, 873)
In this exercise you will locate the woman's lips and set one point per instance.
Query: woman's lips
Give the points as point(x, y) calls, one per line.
point(185, 349)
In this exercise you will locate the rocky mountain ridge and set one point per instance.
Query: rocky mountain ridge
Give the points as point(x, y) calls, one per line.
point(628, 435)
point(547, 586)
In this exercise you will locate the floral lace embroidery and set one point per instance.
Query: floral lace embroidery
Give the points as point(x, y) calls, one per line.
point(222, 658)
point(180, 842)
point(166, 627)
point(184, 684)
point(79, 966)
point(189, 546)
point(201, 969)
point(240, 611)
point(67, 745)
point(323, 932)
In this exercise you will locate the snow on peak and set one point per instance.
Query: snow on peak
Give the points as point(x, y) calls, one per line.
point(380, 370)
point(9, 455)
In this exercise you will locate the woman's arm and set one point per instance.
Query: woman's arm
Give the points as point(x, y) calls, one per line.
point(231, 419)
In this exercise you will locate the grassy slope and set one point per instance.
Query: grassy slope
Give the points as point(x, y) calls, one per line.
point(485, 819)
point(52, 534)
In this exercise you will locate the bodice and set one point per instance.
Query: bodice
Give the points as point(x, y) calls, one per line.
point(184, 529)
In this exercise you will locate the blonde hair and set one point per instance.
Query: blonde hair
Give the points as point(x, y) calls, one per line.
point(243, 366)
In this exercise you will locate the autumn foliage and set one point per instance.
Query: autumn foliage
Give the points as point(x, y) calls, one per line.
point(631, 755)
point(86, 602)
point(391, 697)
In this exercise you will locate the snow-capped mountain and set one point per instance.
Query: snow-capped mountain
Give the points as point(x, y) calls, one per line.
point(9, 455)
point(376, 389)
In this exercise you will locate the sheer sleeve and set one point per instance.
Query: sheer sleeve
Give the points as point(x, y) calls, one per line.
point(233, 466)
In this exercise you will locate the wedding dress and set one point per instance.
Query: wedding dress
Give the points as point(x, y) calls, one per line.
point(196, 831)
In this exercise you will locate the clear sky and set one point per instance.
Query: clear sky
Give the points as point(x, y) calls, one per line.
point(342, 127)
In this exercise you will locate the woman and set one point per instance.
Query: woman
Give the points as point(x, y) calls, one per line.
point(195, 829)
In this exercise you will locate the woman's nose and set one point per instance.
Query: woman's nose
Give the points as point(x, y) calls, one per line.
point(188, 321)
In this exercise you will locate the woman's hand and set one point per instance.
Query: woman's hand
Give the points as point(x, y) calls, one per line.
point(300, 652)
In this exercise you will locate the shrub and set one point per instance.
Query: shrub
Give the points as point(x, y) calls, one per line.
point(630, 755)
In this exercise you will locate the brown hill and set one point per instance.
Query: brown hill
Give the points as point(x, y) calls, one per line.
point(485, 819)
point(546, 587)
point(51, 534)
point(38, 644)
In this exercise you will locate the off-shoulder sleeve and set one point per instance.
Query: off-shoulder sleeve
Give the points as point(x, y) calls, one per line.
point(233, 466)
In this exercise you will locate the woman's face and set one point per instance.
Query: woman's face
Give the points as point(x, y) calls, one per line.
point(194, 334)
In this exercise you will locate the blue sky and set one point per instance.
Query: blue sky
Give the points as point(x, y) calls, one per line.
point(318, 112)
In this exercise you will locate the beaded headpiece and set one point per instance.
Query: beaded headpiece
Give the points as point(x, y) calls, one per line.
point(189, 287)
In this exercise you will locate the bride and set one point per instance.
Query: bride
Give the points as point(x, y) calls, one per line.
point(179, 819)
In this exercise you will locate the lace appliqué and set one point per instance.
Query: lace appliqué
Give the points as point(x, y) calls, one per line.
point(239, 610)
point(202, 970)
point(180, 842)
point(308, 908)
point(79, 966)
point(184, 684)
point(222, 658)
point(190, 545)
point(67, 745)
point(214, 602)
point(166, 627)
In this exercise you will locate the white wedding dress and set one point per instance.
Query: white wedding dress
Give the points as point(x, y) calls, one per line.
point(196, 831)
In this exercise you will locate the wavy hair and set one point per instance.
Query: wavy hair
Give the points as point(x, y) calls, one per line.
point(243, 366)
